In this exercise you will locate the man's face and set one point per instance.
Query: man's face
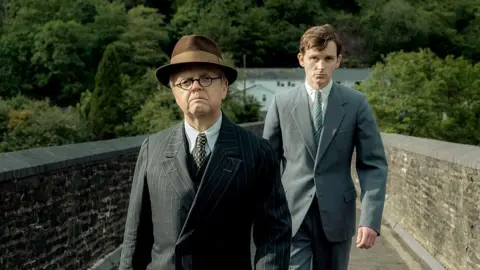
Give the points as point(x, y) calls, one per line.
point(319, 65)
point(203, 97)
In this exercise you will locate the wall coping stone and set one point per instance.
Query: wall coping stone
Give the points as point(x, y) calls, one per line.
point(25, 163)
point(35, 161)
point(462, 154)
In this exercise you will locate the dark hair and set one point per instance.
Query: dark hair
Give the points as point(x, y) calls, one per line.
point(318, 37)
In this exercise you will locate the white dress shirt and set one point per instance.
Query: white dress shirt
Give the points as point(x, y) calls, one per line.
point(211, 134)
point(325, 92)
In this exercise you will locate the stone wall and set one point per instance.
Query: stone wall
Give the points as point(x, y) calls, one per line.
point(64, 207)
point(433, 192)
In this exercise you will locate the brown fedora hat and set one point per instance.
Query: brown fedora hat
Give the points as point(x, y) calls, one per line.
point(194, 49)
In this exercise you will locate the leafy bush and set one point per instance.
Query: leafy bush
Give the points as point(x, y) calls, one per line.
point(239, 110)
point(420, 94)
point(28, 124)
point(160, 111)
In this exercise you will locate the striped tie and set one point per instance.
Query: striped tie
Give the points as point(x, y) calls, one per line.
point(317, 116)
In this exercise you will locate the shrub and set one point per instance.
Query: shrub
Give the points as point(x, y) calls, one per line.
point(28, 124)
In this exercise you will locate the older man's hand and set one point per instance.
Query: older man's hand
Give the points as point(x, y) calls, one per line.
point(366, 237)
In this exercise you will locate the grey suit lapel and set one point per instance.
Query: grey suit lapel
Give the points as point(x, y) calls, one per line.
point(176, 166)
point(333, 118)
point(220, 170)
point(301, 115)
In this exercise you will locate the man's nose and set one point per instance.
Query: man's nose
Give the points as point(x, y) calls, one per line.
point(195, 86)
point(320, 64)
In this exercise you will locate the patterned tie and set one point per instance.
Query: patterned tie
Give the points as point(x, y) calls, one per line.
point(199, 152)
point(317, 116)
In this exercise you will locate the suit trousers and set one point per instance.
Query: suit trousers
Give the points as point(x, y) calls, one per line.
point(312, 251)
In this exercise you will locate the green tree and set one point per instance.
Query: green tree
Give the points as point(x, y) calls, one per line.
point(140, 45)
point(44, 48)
point(159, 112)
point(136, 93)
point(420, 94)
point(61, 50)
point(26, 123)
point(241, 109)
point(53, 48)
point(105, 111)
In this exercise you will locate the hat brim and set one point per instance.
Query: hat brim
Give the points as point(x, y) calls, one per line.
point(163, 73)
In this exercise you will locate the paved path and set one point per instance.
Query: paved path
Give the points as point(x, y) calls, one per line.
point(381, 256)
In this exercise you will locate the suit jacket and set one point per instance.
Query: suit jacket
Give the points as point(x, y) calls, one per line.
point(324, 168)
point(170, 226)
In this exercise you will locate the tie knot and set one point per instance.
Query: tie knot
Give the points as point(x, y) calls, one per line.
point(318, 96)
point(201, 140)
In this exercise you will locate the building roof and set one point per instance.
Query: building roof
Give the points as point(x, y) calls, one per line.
point(253, 88)
point(340, 74)
point(258, 87)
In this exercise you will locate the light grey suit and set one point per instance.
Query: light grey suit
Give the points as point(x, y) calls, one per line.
point(323, 174)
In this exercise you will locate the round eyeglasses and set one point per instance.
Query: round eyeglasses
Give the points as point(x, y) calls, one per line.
point(204, 81)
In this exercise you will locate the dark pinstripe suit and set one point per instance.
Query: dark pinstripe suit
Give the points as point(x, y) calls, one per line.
point(169, 226)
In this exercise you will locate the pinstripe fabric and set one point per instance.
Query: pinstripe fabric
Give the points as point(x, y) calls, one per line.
point(170, 227)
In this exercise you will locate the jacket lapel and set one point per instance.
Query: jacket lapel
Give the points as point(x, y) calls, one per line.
point(176, 166)
point(333, 118)
point(219, 173)
point(301, 115)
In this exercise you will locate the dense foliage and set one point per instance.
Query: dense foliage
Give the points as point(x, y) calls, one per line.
point(422, 95)
point(54, 53)
point(25, 123)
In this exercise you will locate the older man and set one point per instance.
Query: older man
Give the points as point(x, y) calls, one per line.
point(199, 186)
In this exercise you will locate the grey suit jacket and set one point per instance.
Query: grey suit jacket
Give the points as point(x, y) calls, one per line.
point(169, 226)
point(349, 123)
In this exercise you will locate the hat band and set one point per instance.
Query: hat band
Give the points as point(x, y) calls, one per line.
point(196, 56)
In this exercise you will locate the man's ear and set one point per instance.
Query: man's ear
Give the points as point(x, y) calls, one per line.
point(300, 59)
point(225, 92)
point(225, 88)
point(339, 60)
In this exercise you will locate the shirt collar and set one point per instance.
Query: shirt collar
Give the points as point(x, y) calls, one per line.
point(211, 134)
point(325, 90)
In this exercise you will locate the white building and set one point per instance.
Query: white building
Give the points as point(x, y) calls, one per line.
point(263, 83)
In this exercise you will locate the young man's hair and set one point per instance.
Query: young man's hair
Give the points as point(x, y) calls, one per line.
point(318, 37)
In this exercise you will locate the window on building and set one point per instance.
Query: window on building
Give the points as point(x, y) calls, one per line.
point(339, 82)
point(293, 84)
point(278, 83)
point(264, 97)
point(289, 83)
